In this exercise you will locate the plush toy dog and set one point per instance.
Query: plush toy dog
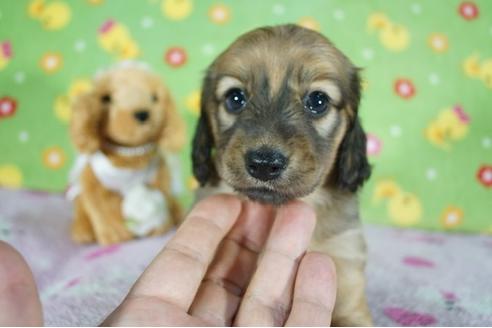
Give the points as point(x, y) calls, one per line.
point(120, 184)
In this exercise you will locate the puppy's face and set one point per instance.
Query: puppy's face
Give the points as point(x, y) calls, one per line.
point(133, 106)
point(276, 107)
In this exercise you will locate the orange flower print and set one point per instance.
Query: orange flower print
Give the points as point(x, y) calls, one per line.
point(54, 157)
point(51, 62)
point(438, 42)
point(451, 217)
point(219, 14)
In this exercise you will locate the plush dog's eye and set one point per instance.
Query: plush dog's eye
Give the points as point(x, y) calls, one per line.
point(154, 98)
point(235, 100)
point(317, 102)
point(106, 99)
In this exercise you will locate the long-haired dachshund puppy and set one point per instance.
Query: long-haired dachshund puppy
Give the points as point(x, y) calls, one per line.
point(279, 122)
point(121, 184)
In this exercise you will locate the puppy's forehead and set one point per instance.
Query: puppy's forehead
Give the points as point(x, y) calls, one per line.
point(276, 53)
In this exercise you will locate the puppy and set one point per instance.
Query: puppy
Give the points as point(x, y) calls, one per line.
point(279, 122)
point(118, 128)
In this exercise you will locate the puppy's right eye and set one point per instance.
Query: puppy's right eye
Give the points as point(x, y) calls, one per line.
point(106, 99)
point(317, 103)
point(235, 100)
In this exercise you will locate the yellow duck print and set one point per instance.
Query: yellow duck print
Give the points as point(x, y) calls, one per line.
point(10, 176)
point(53, 15)
point(176, 9)
point(5, 54)
point(403, 208)
point(115, 38)
point(394, 37)
point(193, 102)
point(473, 68)
point(63, 103)
point(452, 124)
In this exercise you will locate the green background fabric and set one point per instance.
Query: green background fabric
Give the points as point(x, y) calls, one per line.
point(427, 102)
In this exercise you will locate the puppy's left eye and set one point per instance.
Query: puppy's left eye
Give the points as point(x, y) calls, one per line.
point(154, 98)
point(235, 100)
point(317, 102)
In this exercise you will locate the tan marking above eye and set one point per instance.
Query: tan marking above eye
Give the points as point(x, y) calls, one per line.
point(330, 88)
point(225, 84)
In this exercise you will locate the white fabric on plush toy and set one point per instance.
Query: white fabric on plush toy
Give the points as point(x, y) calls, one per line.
point(144, 208)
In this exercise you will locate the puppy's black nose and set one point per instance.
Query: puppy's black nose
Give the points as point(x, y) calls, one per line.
point(141, 115)
point(265, 164)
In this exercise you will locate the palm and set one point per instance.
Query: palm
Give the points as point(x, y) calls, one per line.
point(211, 272)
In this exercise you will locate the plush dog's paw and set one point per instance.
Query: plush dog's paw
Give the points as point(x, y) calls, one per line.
point(113, 233)
point(82, 232)
point(161, 230)
point(176, 212)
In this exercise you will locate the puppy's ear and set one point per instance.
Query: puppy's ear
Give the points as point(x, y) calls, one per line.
point(173, 135)
point(203, 141)
point(85, 123)
point(352, 165)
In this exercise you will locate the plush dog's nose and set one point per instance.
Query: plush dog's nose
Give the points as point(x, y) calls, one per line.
point(141, 115)
point(265, 164)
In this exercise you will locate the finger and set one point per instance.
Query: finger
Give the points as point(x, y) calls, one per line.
point(176, 273)
point(149, 312)
point(314, 292)
point(219, 295)
point(19, 300)
point(268, 297)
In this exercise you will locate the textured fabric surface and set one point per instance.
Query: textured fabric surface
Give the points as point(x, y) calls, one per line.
point(415, 278)
point(427, 72)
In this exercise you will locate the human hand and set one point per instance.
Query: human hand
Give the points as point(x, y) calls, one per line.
point(19, 300)
point(234, 263)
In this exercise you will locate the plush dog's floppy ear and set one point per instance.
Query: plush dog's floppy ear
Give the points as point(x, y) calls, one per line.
point(85, 123)
point(173, 136)
point(352, 166)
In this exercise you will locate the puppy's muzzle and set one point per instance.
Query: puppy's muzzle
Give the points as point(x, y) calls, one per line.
point(265, 164)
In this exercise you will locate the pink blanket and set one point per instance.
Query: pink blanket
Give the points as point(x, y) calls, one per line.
point(414, 278)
